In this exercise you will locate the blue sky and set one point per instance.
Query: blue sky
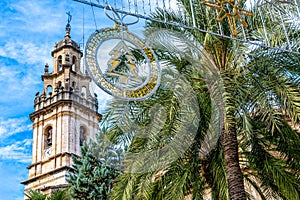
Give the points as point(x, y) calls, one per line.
point(29, 30)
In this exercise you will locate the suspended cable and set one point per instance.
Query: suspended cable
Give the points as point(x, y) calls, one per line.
point(244, 33)
point(298, 8)
point(136, 7)
point(165, 11)
point(83, 28)
point(265, 43)
point(263, 23)
point(285, 31)
point(129, 5)
point(193, 15)
point(122, 5)
point(143, 7)
point(149, 6)
point(220, 26)
point(93, 14)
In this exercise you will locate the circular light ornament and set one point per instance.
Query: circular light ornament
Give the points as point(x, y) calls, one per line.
point(121, 64)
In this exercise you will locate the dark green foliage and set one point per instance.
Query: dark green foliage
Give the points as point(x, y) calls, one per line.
point(106, 151)
point(90, 179)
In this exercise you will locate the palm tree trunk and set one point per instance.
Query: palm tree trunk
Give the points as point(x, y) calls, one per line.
point(233, 171)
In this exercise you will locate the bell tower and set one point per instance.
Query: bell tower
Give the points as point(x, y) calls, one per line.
point(65, 115)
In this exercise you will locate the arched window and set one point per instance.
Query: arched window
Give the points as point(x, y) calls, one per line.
point(83, 135)
point(59, 62)
point(73, 84)
point(83, 92)
point(59, 86)
point(49, 90)
point(48, 137)
point(74, 59)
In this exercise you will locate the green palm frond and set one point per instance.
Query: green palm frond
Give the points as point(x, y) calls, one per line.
point(251, 90)
point(35, 195)
point(59, 195)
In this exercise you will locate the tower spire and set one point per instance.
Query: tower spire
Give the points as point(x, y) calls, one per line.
point(68, 26)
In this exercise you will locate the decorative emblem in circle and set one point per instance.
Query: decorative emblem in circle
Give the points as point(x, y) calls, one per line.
point(121, 64)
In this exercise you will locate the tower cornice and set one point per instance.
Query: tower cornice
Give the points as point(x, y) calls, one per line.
point(64, 168)
point(55, 75)
point(42, 105)
point(67, 42)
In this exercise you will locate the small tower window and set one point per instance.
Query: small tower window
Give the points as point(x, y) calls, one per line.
point(48, 137)
point(83, 92)
point(83, 135)
point(67, 58)
point(73, 84)
point(49, 91)
point(59, 61)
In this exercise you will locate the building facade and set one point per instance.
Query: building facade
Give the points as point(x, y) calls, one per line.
point(65, 115)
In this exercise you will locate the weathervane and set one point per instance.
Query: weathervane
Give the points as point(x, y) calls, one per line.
point(120, 63)
point(68, 26)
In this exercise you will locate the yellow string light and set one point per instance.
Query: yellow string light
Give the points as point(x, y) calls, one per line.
point(236, 14)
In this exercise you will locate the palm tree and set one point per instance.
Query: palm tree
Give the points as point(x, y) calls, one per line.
point(131, 124)
point(238, 74)
point(59, 195)
point(34, 195)
point(56, 195)
point(260, 90)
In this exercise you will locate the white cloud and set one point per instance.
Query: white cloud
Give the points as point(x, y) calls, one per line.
point(25, 52)
point(16, 77)
point(13, 126)
point(18, 86)
point(38, 16)
point(18, 151)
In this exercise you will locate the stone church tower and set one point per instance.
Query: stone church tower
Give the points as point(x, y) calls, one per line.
point(65, 115)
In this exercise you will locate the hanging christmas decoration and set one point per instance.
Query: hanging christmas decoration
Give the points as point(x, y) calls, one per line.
point(230, 10)
point(120, 63)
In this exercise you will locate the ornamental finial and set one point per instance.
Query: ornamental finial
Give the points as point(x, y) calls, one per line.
point(68, 26)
